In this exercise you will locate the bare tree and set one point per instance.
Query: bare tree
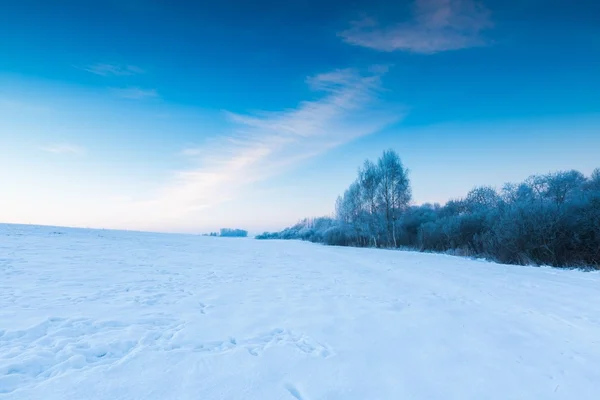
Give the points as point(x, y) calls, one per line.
point(394, 190)
point(349, 209)
point(370, 179)
point(563, 184)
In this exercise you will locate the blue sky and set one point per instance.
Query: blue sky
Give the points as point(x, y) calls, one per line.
point(190, 116)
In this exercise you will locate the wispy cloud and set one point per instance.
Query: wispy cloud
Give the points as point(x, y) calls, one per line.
point(265, 144)
point(108, 69)
point(64, 148)
point(436, 26)
point(191, 152)
point(135, 93)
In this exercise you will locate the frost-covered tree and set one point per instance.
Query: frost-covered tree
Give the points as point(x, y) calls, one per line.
point(349, 210)
point(226, 232)
point(593, 183)
point(563, 184)
point(512, 193)
point(394, 192)
point(482, 197)
point(369, 178)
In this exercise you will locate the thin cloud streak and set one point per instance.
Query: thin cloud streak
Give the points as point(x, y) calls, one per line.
point(107, 69)
point(266, 144)
point(135, 93)
point(64, 148)
point(437, 25)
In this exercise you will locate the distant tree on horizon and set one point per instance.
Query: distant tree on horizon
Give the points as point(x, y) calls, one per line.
point(227, 232)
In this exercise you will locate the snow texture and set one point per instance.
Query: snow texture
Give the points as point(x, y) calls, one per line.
point(89, 314)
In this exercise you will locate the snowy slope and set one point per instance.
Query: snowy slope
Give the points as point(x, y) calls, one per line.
point(115, 315)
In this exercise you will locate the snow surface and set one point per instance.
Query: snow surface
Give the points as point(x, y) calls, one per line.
point(89, 314)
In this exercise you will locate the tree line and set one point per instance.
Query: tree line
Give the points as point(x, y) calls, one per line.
point(227, 232)
point(551, 219)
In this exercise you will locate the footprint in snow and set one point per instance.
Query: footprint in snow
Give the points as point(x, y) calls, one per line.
point(294, 391)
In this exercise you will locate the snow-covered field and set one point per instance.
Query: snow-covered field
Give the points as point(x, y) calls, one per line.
point(90, 314)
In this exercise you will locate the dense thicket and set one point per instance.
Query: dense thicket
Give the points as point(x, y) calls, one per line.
point(551, 219)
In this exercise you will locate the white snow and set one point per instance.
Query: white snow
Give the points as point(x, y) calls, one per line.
point(89, 314)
